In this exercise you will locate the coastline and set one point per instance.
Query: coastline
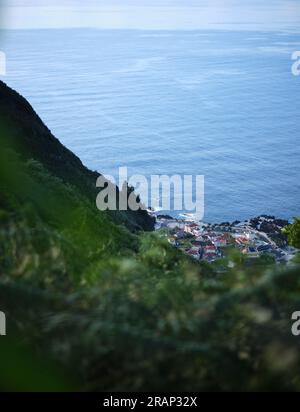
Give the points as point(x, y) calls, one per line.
point(254, 238)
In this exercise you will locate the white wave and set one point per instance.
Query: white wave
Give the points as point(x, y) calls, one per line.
point(140, 65)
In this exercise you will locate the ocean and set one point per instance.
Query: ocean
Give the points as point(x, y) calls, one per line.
point(223, 104)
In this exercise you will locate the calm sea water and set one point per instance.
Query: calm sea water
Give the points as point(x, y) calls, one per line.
point(220, 104)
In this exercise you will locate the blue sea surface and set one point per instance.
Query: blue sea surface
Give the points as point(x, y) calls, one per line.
point(223, 104)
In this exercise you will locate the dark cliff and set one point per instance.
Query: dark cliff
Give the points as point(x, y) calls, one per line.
point(31, 138)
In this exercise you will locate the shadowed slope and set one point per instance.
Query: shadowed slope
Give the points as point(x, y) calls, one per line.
point(31, 138)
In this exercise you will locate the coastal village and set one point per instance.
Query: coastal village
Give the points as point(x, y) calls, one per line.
point(209, 242)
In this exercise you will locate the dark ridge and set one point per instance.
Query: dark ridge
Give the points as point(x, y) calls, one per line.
point(32, 139)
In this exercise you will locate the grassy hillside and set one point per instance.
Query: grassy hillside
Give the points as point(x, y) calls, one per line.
point(93, 303)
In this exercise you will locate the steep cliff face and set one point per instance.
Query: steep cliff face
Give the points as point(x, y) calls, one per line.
point(31, 139)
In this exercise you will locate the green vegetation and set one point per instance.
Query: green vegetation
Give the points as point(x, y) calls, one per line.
point(293, 233)
point(92, 304)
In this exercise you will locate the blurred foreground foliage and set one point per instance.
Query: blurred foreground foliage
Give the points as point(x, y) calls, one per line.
point(293, 233)
point(91, 306)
